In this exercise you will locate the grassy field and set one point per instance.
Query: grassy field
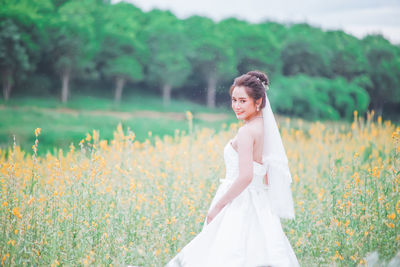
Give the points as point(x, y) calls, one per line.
point(123, 201)
point(63, 124)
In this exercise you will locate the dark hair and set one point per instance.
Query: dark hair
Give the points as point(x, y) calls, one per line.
point(253, 82)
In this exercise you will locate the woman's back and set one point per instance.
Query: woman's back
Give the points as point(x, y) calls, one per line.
point(256, 128)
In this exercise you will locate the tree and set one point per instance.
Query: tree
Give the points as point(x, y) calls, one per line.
point(168, 64)
point(383, 70)
point(348, 58)
point(299, 57)
point(20, 35)
point(13, 55)
point(72, 43)
point(304, 52)
point(210, 54)
point(318, 97)
point(254, 46)
point(121, 48)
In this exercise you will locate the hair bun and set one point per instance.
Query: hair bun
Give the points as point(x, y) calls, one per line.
point(261, 76)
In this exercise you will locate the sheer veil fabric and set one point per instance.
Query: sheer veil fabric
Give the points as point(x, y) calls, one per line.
point(276, 163)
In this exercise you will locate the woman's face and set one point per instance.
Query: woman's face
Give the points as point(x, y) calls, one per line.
point(243, 105)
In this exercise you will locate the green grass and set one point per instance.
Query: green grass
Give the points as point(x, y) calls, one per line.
point(21, 116)
point(133, 102)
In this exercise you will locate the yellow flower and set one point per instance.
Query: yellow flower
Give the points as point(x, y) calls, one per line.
point(189, 115)
point(15, 211)
point(95, 135)
point(37, 131)
point(391, 225)
point(103, 144)
point(356, 176)
point(88, 137)
point(349, 232)
point(392, 216)
point(131, 136)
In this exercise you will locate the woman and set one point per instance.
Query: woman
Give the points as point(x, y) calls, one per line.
point(243, 228)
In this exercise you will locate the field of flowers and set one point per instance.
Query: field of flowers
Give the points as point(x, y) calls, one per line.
point(119, 202)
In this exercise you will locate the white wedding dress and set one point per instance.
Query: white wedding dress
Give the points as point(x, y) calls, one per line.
point(245, 233)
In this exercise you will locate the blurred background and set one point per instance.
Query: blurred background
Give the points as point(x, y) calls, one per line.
point(69, 67)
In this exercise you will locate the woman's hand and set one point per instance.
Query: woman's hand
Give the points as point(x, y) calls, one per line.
point(213, 213)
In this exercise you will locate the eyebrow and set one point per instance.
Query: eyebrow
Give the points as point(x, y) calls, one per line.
point(240, 97)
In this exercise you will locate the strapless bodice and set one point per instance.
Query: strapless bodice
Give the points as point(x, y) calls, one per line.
point(231, 159)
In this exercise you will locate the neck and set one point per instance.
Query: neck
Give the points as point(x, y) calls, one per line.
point(256, 115)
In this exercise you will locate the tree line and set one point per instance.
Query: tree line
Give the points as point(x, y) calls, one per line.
point(51, 46)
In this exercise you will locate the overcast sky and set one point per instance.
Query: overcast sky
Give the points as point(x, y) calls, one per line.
point(357, 17)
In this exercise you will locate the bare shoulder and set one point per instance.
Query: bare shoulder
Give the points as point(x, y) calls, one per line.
point(245, 135)
point(244, 130)
point(253, 130)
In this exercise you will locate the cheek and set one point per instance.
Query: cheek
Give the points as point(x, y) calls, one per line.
point(247, 106)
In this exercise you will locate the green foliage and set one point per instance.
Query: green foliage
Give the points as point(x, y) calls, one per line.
point(95, 42)
point(20, 40)
point(255, 47)
point(72, 42)
point(209, 53)
point(348, 59)
point(13, 51)
point(383, 69)
point(126, 67)
point(165, 38)
point(317, 98)
point(120, 47)
point(303, 56)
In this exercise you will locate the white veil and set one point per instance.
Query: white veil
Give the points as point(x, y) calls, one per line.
point(276, 163)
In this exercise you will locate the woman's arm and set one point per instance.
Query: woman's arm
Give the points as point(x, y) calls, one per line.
point(266, 178)
point(245, 142)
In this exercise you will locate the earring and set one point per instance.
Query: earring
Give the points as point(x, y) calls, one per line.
point(258, 108)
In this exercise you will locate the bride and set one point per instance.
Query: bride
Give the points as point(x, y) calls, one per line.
point(242, 227)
